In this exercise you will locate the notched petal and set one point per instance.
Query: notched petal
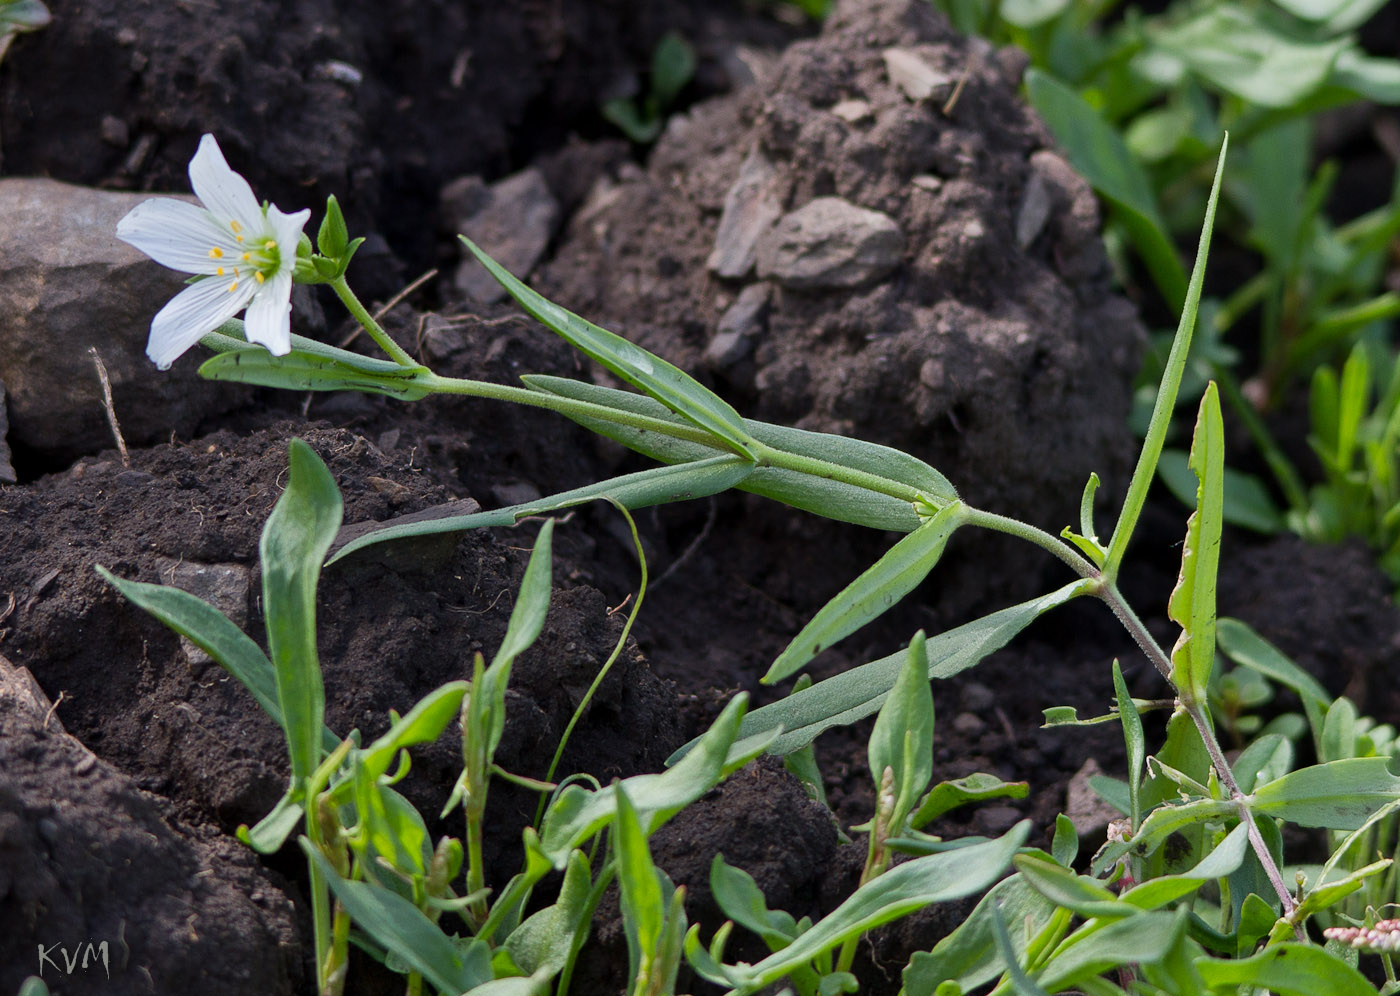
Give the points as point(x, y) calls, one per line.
point(224, 192)
point(190, 315)
point(176, 234)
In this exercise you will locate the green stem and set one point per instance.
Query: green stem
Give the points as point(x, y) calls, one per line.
point(477, 910)
point(1051, 544)
point(376, 331)
point(770, 457)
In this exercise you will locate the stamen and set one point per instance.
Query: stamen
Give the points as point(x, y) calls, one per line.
point(233, 287)
point(216, 253)
point(260, 277)
point(269, 245)
point(219, 272)
point(235, 226)
point(247, 257)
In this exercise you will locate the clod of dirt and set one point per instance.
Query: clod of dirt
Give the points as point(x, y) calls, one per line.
point(964, 313)
point(121, 899)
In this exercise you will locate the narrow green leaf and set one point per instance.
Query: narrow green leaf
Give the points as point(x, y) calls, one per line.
point(833, 499)
point(902, 738)
point(214, 633)
point(403, 929)
point(1099, 153)
point(969, 955)
point(422, 724)
point(1160, 824)
point(1142, 939)
point(898, 892)
point(294, 543)
point(892, 577)
point(1248, 649)
point(531, 602)
point(656, 486)
point(1064, 888)
point(666, 383)
point(741, 900)
point(852, 695)
point(1135, 741)
point(1247, 502)
point(1288, 969)
point(1020, 981)
point(672, 66)
point(541, 944)
point(304, 371)
point(1167, 390)
point(976, 787)
point(1192, 603)
point(272, 831)
point(1338, 795)
point(1226, 857)
point(577, 814)
point(643, 906)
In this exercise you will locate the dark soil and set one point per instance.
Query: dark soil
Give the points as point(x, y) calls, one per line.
point(1005, 362)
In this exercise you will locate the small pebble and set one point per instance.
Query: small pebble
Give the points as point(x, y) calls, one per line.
point(85, 764)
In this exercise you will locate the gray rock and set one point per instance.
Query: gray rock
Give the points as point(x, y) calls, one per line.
point(830, 243)
point(512, 220)
point(67, 284)
point(7, 470)
point(1085, 808)
point(914, 77)
point(224, 586)
point(741, 323)
point(751, 207)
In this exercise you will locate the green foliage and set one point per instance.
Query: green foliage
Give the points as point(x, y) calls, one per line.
point(672, 67)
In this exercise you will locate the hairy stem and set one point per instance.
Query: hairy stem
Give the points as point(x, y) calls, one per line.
point(376, 331)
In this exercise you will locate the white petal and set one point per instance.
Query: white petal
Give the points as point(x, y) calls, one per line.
point(190, 314)
point(176, 234)
point(223, 191)
point(287, 231)
point(269, 318)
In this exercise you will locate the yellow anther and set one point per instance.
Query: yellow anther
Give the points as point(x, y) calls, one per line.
point(260, 277)
point(247, 257)
point(269, 245)
point(219, 272)
point(235, 226)
point(233, 287)
point(216, 253)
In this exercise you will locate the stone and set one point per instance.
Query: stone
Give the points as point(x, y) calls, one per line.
point(512, 220)
point(1085, 808)
point(830, 243)
point(67, 284)
point(915, 78)
point(751, 207)
point(224, 586)
point(741, 323)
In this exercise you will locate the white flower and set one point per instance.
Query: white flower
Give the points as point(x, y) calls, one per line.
point(244, 252)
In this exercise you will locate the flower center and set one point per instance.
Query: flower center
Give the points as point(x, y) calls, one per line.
point(254, 259)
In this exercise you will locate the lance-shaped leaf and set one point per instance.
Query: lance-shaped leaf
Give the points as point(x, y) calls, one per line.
point(902, 739)
point(214, 633)
point(1192, 603)
point(668, 384)
point(294, 543)
point(852, 695)
point(1338, 795)
point(656, 486)
point(1144, 938)
point(402, 928)
point(969, 955)
point(310, 366)
point(1160, 824)
point(833, 499)
point(1288, 969)
point(892, 577)
point(900, 891)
